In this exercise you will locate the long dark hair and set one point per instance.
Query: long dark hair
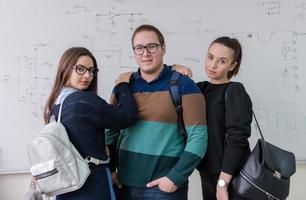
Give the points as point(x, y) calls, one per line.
point(233, 44)
point(64, 70)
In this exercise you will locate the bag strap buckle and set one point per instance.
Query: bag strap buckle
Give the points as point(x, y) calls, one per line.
point(179, 109)
point(96, 161)
point(277, 174)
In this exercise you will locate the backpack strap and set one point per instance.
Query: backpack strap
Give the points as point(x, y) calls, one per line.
point(89, 159)
point(60, 111)
point(174, 89)
point(96, 161)
point(266, 152)
point(65, 92)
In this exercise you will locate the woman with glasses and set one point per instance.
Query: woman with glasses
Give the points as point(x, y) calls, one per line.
point(86, 116)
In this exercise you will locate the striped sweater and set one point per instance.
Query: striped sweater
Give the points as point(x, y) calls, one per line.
point(154, 148)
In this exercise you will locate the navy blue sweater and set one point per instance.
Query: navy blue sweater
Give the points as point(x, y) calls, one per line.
point(86, 116)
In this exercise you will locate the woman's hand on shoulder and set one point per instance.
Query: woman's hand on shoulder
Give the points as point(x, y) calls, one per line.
point(124, 77)
point(182, 69)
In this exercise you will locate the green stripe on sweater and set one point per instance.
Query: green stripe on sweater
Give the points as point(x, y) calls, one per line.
point(156, 138)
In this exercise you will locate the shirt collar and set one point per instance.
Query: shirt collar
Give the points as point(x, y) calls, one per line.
point(166, 70)
point(65, 92)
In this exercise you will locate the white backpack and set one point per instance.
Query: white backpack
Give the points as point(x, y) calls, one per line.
point(55, 163)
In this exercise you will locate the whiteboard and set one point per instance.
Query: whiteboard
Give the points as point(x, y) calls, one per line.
point(35, 33)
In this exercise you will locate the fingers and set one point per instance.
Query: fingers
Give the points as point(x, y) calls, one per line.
point(182, 69)
point(118, 184)
point(124, 77)
point(153, 183)
point(115, 180)
point(189, 74)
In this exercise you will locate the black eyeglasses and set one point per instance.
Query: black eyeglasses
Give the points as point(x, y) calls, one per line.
point(81, 69)
point(151, 48)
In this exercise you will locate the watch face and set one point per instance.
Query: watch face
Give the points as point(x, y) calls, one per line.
point(221, 183)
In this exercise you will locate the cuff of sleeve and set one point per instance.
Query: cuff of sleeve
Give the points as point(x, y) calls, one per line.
point(120, 86)
point(232, 160)
point(176, 178)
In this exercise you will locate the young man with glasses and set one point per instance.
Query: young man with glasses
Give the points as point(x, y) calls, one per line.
point(154, 160)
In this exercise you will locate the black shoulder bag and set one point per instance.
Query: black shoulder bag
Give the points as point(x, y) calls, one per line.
point(266, 173)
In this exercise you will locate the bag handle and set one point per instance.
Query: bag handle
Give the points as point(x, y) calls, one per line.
point(257, 124)
point(267, 153)
point(265, 148)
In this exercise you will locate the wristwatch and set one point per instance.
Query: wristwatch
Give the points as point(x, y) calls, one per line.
point(222, 183)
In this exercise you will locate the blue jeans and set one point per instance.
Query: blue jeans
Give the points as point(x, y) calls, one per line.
point(135, 193)
point(98, 186)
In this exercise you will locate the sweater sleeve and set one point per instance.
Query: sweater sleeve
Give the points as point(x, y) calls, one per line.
point(194, 118)
point(121, 96)
point(238, 118)
point(89, 106)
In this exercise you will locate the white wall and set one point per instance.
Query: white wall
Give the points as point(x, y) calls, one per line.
point(14, 186)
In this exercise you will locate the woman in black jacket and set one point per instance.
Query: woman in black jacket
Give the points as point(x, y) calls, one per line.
point(85, 116)
point(229, 117)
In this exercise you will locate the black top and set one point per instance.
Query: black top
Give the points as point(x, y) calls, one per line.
point(229, 127)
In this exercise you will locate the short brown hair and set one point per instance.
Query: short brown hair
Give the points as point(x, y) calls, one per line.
point(148, 27)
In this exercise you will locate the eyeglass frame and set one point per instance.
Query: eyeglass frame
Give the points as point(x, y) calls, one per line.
point(93, 71)
point(146, 47)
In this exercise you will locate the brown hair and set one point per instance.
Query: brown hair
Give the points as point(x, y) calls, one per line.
point(233, 44)
point(147, 27)
point(68, 59)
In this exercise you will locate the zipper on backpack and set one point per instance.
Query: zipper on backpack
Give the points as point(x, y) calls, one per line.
point(46, 174)
point(270, 196)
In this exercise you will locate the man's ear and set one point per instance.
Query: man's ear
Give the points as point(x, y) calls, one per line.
point(164, 49)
